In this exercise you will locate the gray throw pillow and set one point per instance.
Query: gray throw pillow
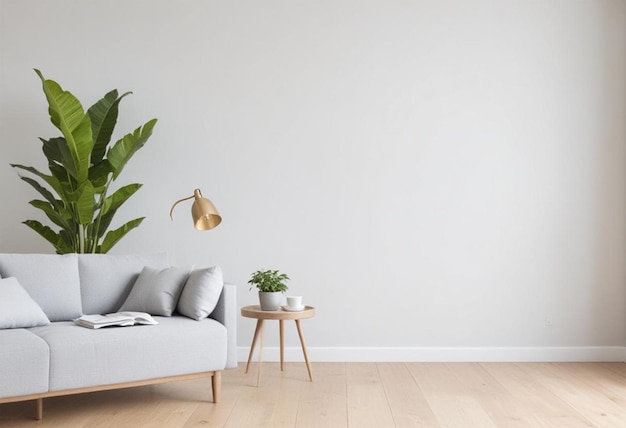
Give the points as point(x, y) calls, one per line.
point(17, 308)
point(201, 293)
point(156, 291)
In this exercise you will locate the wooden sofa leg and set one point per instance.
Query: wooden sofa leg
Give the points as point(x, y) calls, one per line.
point(39, 404)
point(216, 384)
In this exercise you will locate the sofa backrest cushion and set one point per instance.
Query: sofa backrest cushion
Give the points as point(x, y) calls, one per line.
point(106, 279)
point(50, 279)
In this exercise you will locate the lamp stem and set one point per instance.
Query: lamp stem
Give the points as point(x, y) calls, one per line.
point(178, 202)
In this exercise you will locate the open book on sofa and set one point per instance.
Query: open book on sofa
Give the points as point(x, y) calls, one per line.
point(120, 319)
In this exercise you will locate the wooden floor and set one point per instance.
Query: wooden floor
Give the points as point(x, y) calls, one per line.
point(358, 395)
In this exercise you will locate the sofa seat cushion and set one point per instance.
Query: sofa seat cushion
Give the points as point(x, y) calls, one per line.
point(50, 279)
point(24, 359)
point(106, 279)
point(81, 357)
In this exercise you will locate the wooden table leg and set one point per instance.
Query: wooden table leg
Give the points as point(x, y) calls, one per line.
point(259, 323)
point(258, 377)
point(282, 345)
point(306, 356)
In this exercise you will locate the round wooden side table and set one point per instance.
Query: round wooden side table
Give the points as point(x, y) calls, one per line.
point(280, 315)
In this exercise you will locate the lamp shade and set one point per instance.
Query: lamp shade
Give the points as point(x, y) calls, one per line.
point(203, 212)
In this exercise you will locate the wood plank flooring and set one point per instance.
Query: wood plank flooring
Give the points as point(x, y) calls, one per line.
point(357, 395)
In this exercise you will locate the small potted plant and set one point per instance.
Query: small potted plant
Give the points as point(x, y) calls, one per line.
point(271, 284)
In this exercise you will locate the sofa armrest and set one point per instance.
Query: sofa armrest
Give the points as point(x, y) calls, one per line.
point(226, 313)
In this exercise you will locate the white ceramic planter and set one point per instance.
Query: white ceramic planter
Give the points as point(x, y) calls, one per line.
point(270, 300)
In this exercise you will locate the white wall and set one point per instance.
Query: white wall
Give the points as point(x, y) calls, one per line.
point(430, 173)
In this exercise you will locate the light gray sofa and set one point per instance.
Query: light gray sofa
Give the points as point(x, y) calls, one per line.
point(40, 359)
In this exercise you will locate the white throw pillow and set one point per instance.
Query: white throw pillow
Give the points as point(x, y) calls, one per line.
point(156, 291)
point(17, 308)
point(201, 293)
point(50, 279)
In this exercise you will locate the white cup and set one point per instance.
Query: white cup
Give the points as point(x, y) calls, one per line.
point(294, 302)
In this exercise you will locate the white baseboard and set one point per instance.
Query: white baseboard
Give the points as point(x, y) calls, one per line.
point(442, 354)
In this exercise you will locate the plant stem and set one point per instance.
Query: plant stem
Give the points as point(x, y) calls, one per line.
point(81, 238)
point(96, 229)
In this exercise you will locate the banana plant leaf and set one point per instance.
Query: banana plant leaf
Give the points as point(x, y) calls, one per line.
point(49, 235)
point(43, 192)
point(114, 236)
point(66, 113)
point(103, 116)
point(125, 148)
point(56, 216)
point(52, 181)
point(85, 205)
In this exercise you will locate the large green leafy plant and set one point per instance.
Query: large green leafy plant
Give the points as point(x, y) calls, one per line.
point(82, 166)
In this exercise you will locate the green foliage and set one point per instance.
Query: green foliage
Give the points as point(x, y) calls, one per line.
point(82, 167)
point(269, 280)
